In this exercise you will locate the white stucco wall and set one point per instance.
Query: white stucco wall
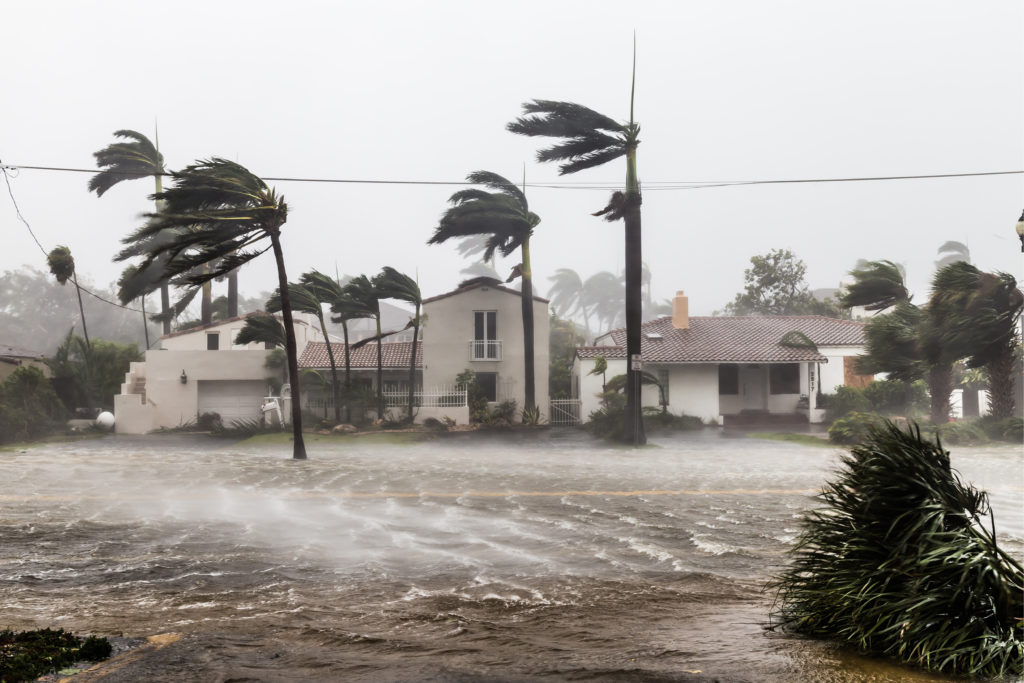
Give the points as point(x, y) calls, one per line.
point(590, 386)
point(307, 329)
point(832, 372)
point(692, 390)
point(449, 330)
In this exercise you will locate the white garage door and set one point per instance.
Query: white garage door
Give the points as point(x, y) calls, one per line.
point(232, 399)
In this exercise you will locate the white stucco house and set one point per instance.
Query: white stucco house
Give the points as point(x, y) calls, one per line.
point(731, 369)
point(197, 371)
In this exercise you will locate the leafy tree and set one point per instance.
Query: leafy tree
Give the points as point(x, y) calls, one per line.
point(217, 213)
point(504, 217)
point(62, 267)
point(775, 285)
point(93, 372)
point(135, 158)
point(975, 315)
point(29, 408)
point(395, 285)
point(563, 338)
point(590, 139)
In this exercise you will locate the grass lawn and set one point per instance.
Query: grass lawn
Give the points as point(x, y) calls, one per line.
point(284, 437)
point(806, 439)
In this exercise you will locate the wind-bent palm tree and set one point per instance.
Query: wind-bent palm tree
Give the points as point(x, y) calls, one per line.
point(591, 139)
point(605, 290)
point(136, 158)
point(218, 212)
point(975, 315)
point(364, 299)
point(62, 267)
point(305, 300)
point(392, 284)
point(900, 343)
point(344, 308)
point(328, 291)
point(504, 216)
point(568, 296)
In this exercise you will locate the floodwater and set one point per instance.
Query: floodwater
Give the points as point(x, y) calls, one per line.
point(460, 559)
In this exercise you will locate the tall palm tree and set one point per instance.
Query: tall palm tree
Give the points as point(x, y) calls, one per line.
point(364, 298)
point(975, 315)
point(343, 309)
point(218, 212)
point(328, 291)
point(591, 139)
point(900, 342)
point(137, 157)
point(504, 216)
point(305, 300)
point(62, 267)
point(568, 296)
point(392, 284)
point(605, 290)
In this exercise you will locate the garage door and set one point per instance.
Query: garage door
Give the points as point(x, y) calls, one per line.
point(232, 399)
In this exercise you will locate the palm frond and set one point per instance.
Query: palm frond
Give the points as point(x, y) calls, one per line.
point(125, 161)
point(392, 284)
point(877, 285)
point(552, 118)
point(262, 328)
point(301, 298)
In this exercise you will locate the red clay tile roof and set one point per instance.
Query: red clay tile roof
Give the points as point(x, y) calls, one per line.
point(8, 351)
point(741, 339)
point(393, 354)
point(606, 351)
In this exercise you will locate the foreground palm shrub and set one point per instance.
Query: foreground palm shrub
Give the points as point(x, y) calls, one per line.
point(903, 562)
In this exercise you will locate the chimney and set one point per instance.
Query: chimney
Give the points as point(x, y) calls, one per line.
point(681, 311)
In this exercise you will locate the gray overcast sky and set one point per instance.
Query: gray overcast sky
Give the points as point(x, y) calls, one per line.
point(726, 90)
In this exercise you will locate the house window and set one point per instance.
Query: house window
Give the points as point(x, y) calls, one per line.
point(213, 341)
point(784, 378)
point(488, 382)
point(728, 380)
point(269, 346)
point(485, 336)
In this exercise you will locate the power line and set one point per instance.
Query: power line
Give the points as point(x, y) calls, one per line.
point(584, 185)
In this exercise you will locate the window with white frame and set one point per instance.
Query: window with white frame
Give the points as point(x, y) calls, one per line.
point(486, 345)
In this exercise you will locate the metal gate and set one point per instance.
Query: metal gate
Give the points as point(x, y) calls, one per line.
point(565, 411)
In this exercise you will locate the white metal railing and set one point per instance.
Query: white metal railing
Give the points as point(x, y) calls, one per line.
point(485, 349)
point(565, 411)
point(439, 397)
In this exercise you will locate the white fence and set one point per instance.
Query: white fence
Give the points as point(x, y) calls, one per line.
point(565, 411)
point(439, 397)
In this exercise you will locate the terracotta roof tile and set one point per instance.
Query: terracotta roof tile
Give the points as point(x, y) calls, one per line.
point(477, 284)
point(394, 355)
point(606, 351)
point(740, 339)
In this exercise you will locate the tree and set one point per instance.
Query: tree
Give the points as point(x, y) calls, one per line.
point(218, 212)
point(504, 216)
point(306, 300)
point(364, 301)
point(564, 337)
point(975, 316)
point(328, 291)
point(567, 296)
point(345, 308)
point(898, 342)
point(604, 290)
point(775, 285)
point(590, 139)
point(62, 267)
point(601, 368)
point(395, 285)
point(121, 161)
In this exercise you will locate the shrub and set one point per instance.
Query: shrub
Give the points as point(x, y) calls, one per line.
point(847, 400)
point(956, 433)
point(532, 416)
point(475, 397)
point(656, 417)
point(894, 397)
point(29, 408)
point(901, 562)
point(606, 421)
point(435, 425)
point(503, 412)
point(1007, 429)
point(210, 422)
point(853, 428)
point(26, 655)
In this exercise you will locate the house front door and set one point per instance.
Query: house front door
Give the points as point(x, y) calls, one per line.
point(752, 387)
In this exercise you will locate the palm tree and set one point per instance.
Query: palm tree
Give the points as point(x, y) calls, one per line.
point(120, 161)
point(568, 296)
point(345, 308)
point(305, 300)
point(394, 285)
point(975, 315)
point(62, 267)
point(605, 290)
point(328, 291)
point(591, 139)
point(504, 216)
point(364, 299)
point(218, 212)
point(900, 343)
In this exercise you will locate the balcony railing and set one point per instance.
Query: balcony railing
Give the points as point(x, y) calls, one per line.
point(485, 349)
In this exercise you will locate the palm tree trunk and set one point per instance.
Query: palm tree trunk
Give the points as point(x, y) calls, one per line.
point(334, 371)
point(348, 374)
point(165, 290)
point(81, 309)
point(530, 399)
point(412, 362)
point(380, 372)
point(999, 373)
point(145, 322)
point(233, 295)
point(291, 349)
point(206, 305)
point(940, 385)
point(633, 426)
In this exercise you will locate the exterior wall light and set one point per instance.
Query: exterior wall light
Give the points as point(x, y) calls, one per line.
point(1020, 231)
point(184, 377)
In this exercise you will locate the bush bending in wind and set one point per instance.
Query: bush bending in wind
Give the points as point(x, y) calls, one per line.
point(902, 563)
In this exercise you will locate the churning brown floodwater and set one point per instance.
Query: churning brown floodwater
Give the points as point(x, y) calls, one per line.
point(458, 559)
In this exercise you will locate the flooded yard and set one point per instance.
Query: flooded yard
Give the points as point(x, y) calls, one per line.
point(555, 557)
